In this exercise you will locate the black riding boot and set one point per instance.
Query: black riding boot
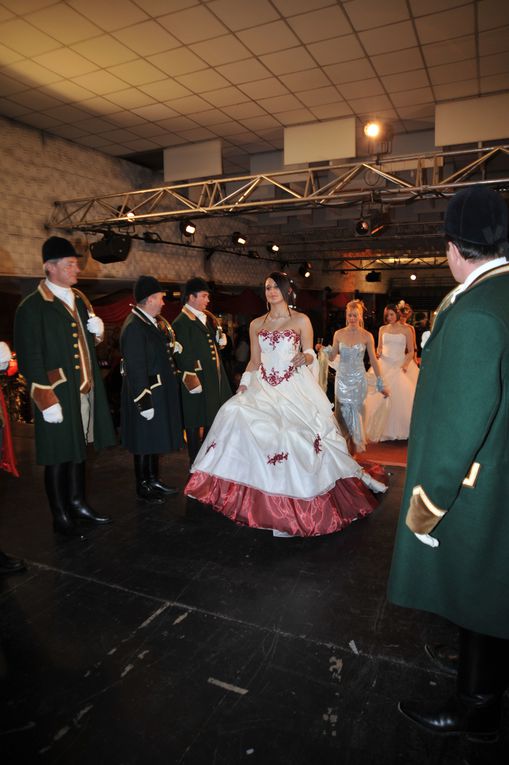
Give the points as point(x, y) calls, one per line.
point(153, 476)
point(482, 678)
point(57, 490)
point(144, 490)
point(78, 507)
point(193, 443)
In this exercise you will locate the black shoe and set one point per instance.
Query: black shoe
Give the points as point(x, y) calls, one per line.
point(56, 479)
point(10, 565)
point(479, 717)
point(82, 512)
point(443, 656)
point(162, 487)
point(79, 509)
point(146, 493)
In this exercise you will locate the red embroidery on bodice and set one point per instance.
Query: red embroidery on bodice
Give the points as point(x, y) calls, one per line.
point(274, 337)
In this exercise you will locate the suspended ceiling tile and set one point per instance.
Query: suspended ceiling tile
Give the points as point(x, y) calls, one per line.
point(239, 138)
point(193, 24)
point(168, 139)
point(147, 38)
point(225, 96)
point(263, 122)
point(31, 73)
point(177, 61)
point(69, 91)
point(115, 149)
point(66, 113)
point(5, 14)
point(244, 71)
point(494, 83)
point(65, 62)
point(295, 117)
point(409, 97)
point(461, 70)
point(293, 7)
point(137, 72)
point(36, 100)
point(12, 109)
point(305, 80)
point(141, 144)
point(244, 111)
point(92, 141)
point(389, 38)
point(228, 128)
point(418, 112)
point(370, 87)
point(132, 98)
point(336, 50)
point(109, 15)
point(318, 96)
point(453, 90)
point(63, 23)
point(9, 56)
point(496, 64)
point(398, 61)
point(202, 81)
point(189, 104)
point(447, 52)
point(71, 132)
point(197, 134)
point(208, 118)
point(268, 38)
point(101, 82)
point(165, 90)
point(406, 81)
point(330, 111)
point(494, 41)
point(240, 14)
point(280, 104)
point(158, 7)
point(320, 24)
point(149, 130)
point(288, 61)
point(40, 121)
point(25, 39)
point(117, 136)
point(492, 14)
point(125, 119)
point(265, 88)
point(425, 7)
point(369, 105)
point(366, 14)
point(155, 112)
point(351, 71)
point(9, 85)
point(177, 124)
point(446, 25)
point(221, 50)
point(105, 51)
point(94, 125)
point(99, 105)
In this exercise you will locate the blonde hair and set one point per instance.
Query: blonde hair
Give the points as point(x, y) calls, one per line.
point(356, 305)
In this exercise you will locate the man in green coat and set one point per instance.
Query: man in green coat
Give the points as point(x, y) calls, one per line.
point(55, 333)
point(452, 548)
point(205, 386)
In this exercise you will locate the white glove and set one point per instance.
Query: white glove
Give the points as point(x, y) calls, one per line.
point(53, 414)
point(177, 348)
point(427, 540)
point(95, 325)
point(221, 338)
point(198, 389)
point(425, 338)
point(5, 355)
point(148, 414)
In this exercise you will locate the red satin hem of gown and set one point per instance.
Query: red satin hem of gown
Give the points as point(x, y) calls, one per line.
point(348, 499)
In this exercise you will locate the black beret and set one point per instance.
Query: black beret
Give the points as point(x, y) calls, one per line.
point(145, 287)
point(477, 215)
point(195, 285)
point(57, 247)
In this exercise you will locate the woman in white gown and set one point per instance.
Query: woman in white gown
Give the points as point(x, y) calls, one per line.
point(351, 343)
point(389, 419)
point(274, 457)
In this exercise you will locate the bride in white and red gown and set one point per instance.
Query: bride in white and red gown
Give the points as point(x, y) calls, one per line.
point(274, 457)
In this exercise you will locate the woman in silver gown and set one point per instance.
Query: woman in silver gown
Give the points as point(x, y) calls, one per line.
point(351, 344)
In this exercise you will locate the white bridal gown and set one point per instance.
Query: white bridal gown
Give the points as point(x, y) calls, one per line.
point(274, 457)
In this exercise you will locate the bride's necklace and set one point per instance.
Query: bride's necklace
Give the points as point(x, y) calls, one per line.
point(274, 318)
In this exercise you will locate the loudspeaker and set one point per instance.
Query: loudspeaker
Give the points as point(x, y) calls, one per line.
point(114, 248)
point(373, 276)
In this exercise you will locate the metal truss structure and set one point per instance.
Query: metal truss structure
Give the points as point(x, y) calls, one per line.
point(386, 182)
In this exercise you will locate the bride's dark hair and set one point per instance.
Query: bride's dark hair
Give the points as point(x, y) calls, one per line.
point(391, 307)
point(284, 284)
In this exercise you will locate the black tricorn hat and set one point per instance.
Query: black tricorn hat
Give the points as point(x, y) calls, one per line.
point(57, 247)
point(195, 285)
point(145, 287)
point(477, 215)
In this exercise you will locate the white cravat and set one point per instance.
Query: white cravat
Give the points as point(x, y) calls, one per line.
point(483, 268)
point(199, 314)
point(64, 293)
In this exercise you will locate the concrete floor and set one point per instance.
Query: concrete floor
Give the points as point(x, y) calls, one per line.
point(175, 636)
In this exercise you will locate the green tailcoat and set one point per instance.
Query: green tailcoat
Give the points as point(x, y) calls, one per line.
point(459, 457)
point(45, 340)
point(200, 355)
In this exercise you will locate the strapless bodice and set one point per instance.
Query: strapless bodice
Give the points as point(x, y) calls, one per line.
point(278, 347)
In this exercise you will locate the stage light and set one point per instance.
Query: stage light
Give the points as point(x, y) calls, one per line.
point(373, 276)
point(238, 239)
point(372, 129)
point(362, 227)
point(371, 224)
point(413, 277)
point(151, 237)
point(272, 247)
point(112, 248)
point(187, 227)
point(305, 270)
